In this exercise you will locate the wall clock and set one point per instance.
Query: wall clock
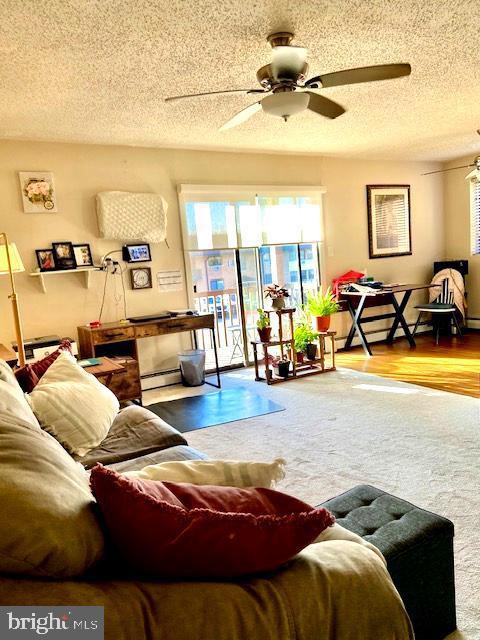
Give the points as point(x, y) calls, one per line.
point(141, 278)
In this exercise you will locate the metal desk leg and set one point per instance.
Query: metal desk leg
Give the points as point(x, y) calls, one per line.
point(400, 319)
point(356, 326)
point(212, 384)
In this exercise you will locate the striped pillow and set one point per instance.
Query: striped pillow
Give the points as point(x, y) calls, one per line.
point(226, 473)
point(73, 406)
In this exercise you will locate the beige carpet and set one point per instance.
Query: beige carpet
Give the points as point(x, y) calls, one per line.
point(346, 428)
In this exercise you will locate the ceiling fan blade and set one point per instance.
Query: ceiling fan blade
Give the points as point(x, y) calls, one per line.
point(324, 106)
point(241, 116)
point(212, 93)
point(362, 74)
point(288, 62)
point(464, 166)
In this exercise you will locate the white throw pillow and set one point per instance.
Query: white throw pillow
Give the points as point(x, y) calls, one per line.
point(48, 525)
point(226, 473)
point(73, 405)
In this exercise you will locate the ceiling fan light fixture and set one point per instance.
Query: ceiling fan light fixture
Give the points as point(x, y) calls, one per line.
point(285, 104)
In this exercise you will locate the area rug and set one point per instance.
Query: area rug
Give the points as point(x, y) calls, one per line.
point(346, 428)
point(198, 412)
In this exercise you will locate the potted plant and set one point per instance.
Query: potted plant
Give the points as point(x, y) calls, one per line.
point(281, 365)
point(321, 306)
point(277, 295)
point(263, 326)
point(304, 337)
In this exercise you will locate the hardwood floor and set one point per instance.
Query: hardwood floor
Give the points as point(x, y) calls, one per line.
point(452, 366)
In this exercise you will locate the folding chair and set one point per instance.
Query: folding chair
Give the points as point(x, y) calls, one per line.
point(442, 306)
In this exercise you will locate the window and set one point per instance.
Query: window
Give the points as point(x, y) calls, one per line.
point(217, 285)
point(243, 217)
point(475, 215)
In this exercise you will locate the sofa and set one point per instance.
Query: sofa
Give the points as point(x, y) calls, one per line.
point(55, 551)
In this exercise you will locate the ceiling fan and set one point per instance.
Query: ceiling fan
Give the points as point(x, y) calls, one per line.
point(286, 90)
point(473, 174)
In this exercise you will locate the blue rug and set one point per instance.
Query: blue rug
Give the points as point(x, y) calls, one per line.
point(198, 412)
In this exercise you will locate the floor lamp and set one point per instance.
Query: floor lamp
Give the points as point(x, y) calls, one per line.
point(10, 263)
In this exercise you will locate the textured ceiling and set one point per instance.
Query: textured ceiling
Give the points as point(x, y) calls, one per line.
point(96, 71)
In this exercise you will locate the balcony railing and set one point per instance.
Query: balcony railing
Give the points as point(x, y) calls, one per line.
point(225, 307)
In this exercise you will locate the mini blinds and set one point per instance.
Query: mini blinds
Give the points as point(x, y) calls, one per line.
point(475, 215)
point(229, 218)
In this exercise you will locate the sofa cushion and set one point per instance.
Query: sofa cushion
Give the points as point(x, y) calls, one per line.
point(47, 526)
point(73, 405)
point(13, 405)
point(336, 589)
point(135, 432)
point(183, 530)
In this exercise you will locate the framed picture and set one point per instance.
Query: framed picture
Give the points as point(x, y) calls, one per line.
point(83, 255)
point(389, 232)
point(45, 259)
point(64, 255)
point(38, 192)
point(136, 253)
point(141, 278)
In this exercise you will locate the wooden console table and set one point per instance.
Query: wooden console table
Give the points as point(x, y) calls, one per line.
point(118, 342)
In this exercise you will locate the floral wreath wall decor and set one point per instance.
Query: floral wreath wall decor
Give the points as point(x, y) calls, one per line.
point(38, 192)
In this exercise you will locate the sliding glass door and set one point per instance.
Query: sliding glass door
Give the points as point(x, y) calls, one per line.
point(293, 266)
point(230, 282)
point(238, 242)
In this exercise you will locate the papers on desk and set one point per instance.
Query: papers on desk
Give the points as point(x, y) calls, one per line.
point(361, 289)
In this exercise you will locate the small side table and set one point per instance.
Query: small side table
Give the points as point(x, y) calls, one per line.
point(106, 369)
point(8, 355)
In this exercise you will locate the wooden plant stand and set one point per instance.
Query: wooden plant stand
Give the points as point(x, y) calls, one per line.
point(287, 344)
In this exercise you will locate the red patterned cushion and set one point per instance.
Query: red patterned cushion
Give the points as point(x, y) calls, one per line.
point(189, 531)
point(26, 378)
point(29, 375)
point(40, 366)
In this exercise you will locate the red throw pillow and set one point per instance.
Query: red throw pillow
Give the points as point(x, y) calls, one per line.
point(26, 378)
point(189, 531)
point(29, 375)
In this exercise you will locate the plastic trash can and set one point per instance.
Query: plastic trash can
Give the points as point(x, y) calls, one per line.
point(192, 367)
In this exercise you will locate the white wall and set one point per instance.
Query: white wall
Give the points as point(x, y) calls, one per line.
point(457, 230)
point(81, 171)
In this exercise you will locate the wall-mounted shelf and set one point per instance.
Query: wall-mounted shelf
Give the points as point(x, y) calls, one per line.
point(85, 271)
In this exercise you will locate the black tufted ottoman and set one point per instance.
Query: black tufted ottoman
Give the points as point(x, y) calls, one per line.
point(418, 548)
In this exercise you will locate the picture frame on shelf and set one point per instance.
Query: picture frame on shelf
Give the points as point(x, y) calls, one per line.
point(45, 259)
point(136, 252)
point(141, 278)
point(38, 192)
point(83, 255)
point(389, 225)
point(64, 255)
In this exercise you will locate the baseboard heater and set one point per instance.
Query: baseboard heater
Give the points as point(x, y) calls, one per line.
point(379, 335)
point(160, 379)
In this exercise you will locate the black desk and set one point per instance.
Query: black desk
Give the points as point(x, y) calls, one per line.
point(357, 302)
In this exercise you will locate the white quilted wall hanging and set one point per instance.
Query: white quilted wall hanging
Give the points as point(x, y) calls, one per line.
point(132, 216)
